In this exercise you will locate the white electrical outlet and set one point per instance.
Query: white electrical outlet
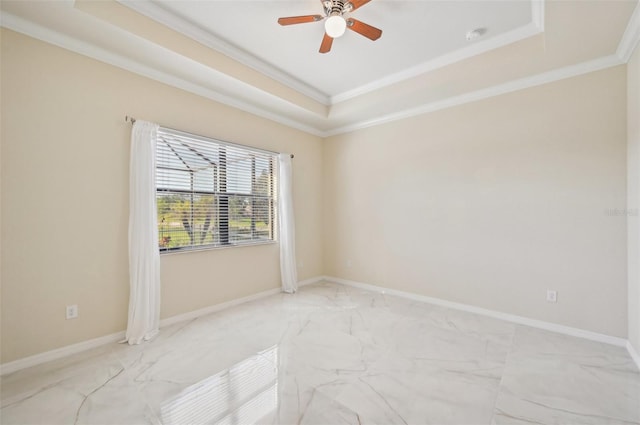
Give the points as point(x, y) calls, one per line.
point(301, 265)
point(72, 311)
point(349, 264)
point(552, 296)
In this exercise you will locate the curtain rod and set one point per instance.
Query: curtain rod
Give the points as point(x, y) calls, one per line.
point(132, 120)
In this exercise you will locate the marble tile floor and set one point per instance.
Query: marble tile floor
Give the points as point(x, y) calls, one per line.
point(333, 354)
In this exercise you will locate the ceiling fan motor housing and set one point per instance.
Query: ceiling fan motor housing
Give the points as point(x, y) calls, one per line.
point(337, 7)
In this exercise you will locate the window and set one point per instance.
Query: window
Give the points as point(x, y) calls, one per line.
point(211, 193)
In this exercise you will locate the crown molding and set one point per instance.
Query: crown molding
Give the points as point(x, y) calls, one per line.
point(535, 27)
point(188, 28)
point(321, 129)
point(159, 14)
point(537, 14)
point(631, 36)
point(634, 354)
point(442, 61)
point(512, 86)
point(36, 31)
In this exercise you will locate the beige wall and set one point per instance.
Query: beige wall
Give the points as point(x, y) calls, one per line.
point(633, 195)
point(492, 203)
point(65, 197)
point(488, 203)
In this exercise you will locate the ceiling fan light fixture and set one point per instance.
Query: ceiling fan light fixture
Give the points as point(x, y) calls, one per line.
point(335, 26)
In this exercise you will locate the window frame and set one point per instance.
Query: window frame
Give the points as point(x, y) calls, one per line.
point(221, 197)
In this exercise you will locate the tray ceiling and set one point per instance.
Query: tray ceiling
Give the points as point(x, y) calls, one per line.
point(415, 33)
point(234, 52)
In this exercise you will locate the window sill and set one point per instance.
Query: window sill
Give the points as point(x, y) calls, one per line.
point(214, 248)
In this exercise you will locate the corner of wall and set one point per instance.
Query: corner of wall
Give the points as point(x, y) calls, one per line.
point(633, 201)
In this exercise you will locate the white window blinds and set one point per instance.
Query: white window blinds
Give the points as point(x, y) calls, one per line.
point(211, 193)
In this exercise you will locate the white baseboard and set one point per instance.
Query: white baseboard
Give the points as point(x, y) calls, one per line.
point(633, 353)
point(311, 281)
point(58, 353)
point(215, 308)
point(581, 333)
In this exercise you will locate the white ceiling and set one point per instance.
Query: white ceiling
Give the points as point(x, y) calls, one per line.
point(414, 34)
point(234, 52)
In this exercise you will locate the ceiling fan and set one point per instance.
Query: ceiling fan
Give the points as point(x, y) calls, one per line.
point(336, 24)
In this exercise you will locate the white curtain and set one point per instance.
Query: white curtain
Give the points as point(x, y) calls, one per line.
point(286, 226)
point(144, 258)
